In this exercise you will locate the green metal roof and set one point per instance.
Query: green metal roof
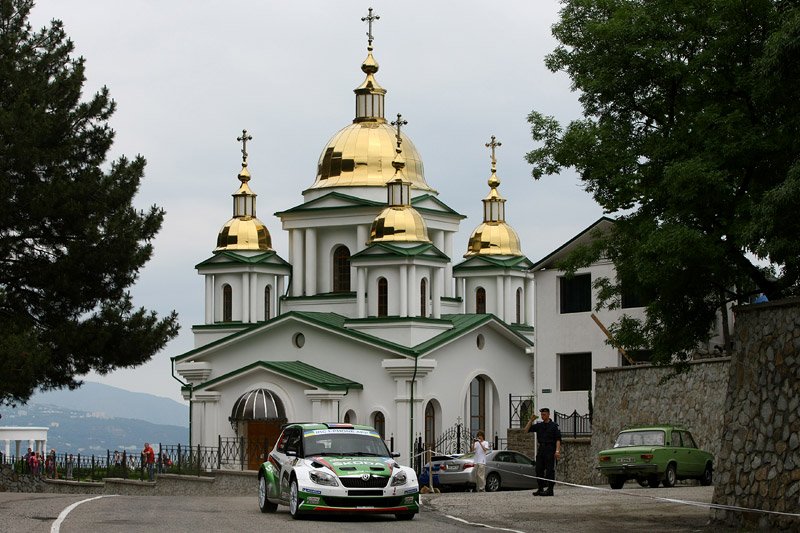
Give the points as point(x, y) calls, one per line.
point(489, 262)
point(352, 201)
point(232, 257)
point(426, 250)
point(296, 370)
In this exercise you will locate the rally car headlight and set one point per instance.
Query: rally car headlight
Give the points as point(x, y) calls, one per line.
point(323, 478)
point(399, 479)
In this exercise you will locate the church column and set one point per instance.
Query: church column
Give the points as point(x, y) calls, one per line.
point(324, 404)
point(361, 289)
point(209, 298)
point(362, 235)
point(405, 295)
point(298, 264)
point(436, 291)
point(510, 313)
point(245, 297)
point(311, 265)
point(500, 305)
point(529, 301)
point(412, 289)
point(460, 293)
point(254, 299)
point(403, 372)
point(448, 269)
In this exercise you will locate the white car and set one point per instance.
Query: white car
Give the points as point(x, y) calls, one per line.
point(324, 468)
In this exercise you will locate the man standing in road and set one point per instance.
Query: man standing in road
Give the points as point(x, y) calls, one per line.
point(548, 437)
point(149, 458)
point(480, 447)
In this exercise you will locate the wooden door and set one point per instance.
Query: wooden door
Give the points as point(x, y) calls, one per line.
point(261, 438)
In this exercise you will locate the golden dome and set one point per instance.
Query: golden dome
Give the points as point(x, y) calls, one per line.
point(244, 233)
point(493, 238)
point(361, 154)
point(399, 224)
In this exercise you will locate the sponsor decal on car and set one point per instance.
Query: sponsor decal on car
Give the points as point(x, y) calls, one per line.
point(311, 491)
point(411, 491)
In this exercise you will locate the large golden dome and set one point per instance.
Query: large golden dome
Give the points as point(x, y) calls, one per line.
point(493, 238)
point(399, 224)
point(361, 154)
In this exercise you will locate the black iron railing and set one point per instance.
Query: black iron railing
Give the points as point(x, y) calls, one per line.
point(520, 409)
point(574, 425)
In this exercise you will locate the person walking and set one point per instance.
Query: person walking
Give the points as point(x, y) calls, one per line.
point(548, 451)
point(149, 458)
point(480, 448)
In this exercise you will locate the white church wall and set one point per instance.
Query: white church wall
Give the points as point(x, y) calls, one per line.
point(344, 306)
point(570, 333)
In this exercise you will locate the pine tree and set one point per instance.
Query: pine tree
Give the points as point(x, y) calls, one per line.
point(71, 242)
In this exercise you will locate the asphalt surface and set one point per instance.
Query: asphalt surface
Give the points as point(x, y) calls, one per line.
point(571, 509)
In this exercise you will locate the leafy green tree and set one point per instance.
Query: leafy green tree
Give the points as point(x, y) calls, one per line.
point(690, 136)
point(71, 242)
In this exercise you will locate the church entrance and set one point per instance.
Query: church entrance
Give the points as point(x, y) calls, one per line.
point(261, 438)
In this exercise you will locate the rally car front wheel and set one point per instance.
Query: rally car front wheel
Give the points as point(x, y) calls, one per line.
point(264, 504)
point(294, 500)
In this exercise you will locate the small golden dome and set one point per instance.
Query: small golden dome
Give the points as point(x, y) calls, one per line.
point(361, 154)
point(493, 238)
point(399, 224)
point(244, 233)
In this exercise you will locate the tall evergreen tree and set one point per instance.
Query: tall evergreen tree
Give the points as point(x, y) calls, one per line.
point(71, 242)
point(691, 136)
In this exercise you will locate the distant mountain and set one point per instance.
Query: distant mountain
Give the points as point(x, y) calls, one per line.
point(91, 433)
point(113, 402)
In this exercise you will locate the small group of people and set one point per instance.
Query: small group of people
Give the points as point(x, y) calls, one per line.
point(548, 452)
point(39, 464)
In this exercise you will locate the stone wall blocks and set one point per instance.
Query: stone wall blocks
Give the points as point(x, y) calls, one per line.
point(794, 441)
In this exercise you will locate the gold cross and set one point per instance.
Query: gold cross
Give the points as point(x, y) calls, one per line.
point(493, 144)
point(399, 122)
point(243, 139)
point(368, 19)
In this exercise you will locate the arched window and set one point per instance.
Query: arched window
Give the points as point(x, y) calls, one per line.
point(519, 306)
point(423, 297)
point(430, 426)
point(379, 422)
point(349, 417)
point(227, 303)
point(477, 405)
point(480, 300)
point(341, 269)
point(383, 297)
point(267, 302)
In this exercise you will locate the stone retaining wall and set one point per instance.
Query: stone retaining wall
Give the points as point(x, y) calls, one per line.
point(640, 395)
point(576, 455)
point(759, 461)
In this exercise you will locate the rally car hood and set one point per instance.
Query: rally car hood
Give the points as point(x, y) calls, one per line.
point(354, 466)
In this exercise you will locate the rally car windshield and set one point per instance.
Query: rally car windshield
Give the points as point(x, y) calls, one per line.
point(344, 444)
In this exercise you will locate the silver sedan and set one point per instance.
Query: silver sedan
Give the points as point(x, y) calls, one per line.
point(505, 469)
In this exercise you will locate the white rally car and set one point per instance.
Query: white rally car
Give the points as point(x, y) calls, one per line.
point(336, 468)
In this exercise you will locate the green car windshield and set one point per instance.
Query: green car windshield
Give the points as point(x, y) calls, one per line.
point(640, 438)
point(341, 443)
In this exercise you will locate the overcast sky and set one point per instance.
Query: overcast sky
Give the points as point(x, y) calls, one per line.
point(188, 76)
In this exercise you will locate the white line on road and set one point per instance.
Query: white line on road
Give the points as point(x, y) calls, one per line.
point(481, 525)
point(56, 527)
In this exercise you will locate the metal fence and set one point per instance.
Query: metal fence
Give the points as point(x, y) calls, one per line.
point(574, 425)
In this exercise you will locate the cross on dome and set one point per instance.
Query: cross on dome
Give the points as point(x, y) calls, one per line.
point(368, 19)
point(493, 144)
point(243, 139)
point(399, 123)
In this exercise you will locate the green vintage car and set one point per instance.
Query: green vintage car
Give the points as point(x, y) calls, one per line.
point(655, 454)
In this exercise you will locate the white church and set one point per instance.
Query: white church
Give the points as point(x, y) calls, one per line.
point(374, 317)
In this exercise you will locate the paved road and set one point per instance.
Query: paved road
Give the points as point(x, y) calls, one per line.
point(572, 509)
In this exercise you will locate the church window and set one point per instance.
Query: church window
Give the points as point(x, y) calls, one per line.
point(519, 306)
point(423, 297)
point(480, 300)
point(227, 303)
point(430, 426)
point(576, 293)
point(341, 269)
point(477, 405)
point(379, 423)
point(481, 341)
point(267, 301)
point(575, 371)
point(299, 340)
point(383, 297)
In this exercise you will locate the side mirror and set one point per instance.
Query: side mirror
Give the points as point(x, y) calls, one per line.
point(395, 454)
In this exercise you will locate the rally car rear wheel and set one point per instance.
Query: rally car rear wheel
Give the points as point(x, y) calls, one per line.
point(294, 500)
point(404, 516)
point(264, 504)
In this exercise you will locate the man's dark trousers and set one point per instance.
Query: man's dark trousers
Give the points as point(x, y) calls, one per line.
point(546, 466)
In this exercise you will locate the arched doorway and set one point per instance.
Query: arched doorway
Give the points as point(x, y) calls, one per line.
point(258, 415)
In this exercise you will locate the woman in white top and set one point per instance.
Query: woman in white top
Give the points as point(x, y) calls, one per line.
point(480, 447)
